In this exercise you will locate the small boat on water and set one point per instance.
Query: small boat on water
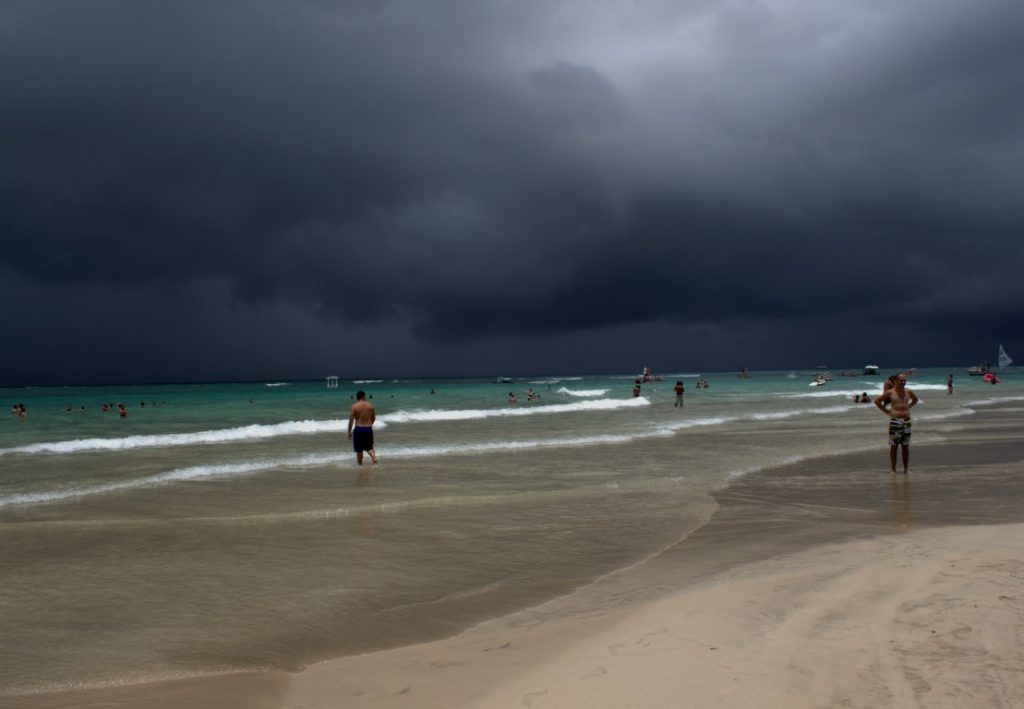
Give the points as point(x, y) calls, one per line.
point(821, 379)
point(980, 370)
point(871, 369)
point(503, 380)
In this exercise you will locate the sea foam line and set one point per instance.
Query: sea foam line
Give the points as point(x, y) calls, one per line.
point(513, 411)
point(257, 432)
point(825, 393)
point(994, 400)
point(232, 470)
point(161, 440)
point(243, 469)
point(779, 415)
point(582, 392)
point(400, 452)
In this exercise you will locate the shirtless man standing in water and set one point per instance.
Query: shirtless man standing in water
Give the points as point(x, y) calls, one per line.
point(362, 417)
point(900, 400)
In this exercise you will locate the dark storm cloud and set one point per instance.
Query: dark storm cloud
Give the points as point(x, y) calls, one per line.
point(491, 168)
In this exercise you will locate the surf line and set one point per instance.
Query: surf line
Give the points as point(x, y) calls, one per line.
point(243, 469)
point(257, 432)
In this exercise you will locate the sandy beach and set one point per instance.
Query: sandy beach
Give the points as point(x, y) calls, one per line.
point(817, 585)
point(823, 583)
point(930, 618)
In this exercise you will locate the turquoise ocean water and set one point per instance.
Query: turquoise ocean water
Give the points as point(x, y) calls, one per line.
point(226, 527)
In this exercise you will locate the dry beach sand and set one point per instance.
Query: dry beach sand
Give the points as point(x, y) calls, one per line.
point(823, 583)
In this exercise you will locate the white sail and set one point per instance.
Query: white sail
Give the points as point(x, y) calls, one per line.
point(1004, 359)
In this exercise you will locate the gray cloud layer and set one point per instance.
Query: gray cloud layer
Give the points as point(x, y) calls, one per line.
point(473, 170)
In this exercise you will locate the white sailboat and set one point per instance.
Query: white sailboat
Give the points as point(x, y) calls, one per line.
point(985, 368)
point(1004, 359)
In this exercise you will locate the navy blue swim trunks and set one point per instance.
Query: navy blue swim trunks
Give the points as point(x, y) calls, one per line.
point(362, 438)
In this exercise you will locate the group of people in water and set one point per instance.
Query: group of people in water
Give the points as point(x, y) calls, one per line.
point(20, 411)
point(530, 395)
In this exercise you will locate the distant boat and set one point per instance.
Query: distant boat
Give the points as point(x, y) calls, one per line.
point(503, 380)
point(821, 379)
point(984, 368)
point(871, 369)
point(1004, 359)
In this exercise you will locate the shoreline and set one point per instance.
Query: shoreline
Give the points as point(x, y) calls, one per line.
point(930, 617)
point(821, 509)
point(826, 582)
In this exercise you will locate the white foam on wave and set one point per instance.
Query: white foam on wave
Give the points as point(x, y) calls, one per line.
point(277, 384)
point(256, 432)
point(826, 393)
point(582, 392)
point(232, 470)
point(161, 440)
point(247, 468)
point(925, 387)
point(505, 446)
point(947, 415)
point(529, 410)
point(196, 472)
point(779, 415)
point(161, 478)
point(994, 400)
point(367, 381)
point(670, 428)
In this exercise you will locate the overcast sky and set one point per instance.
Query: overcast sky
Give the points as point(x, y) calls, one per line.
point(276, 189)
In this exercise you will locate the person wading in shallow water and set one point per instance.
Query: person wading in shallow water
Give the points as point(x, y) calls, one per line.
point(360, 427)
point(900, 401)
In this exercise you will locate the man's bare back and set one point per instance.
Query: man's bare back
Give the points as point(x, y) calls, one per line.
point(362, 414)
point(361, 418)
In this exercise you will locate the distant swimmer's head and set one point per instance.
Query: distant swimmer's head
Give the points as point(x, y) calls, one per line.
point(360, 395)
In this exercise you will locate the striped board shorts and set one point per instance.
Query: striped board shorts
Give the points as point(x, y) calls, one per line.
point(899, 432)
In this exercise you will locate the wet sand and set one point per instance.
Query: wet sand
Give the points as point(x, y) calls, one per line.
point(828, 582)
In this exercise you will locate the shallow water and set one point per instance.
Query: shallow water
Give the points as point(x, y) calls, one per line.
point(224, 527)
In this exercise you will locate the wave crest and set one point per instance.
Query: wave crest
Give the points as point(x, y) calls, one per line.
point(582, 392)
